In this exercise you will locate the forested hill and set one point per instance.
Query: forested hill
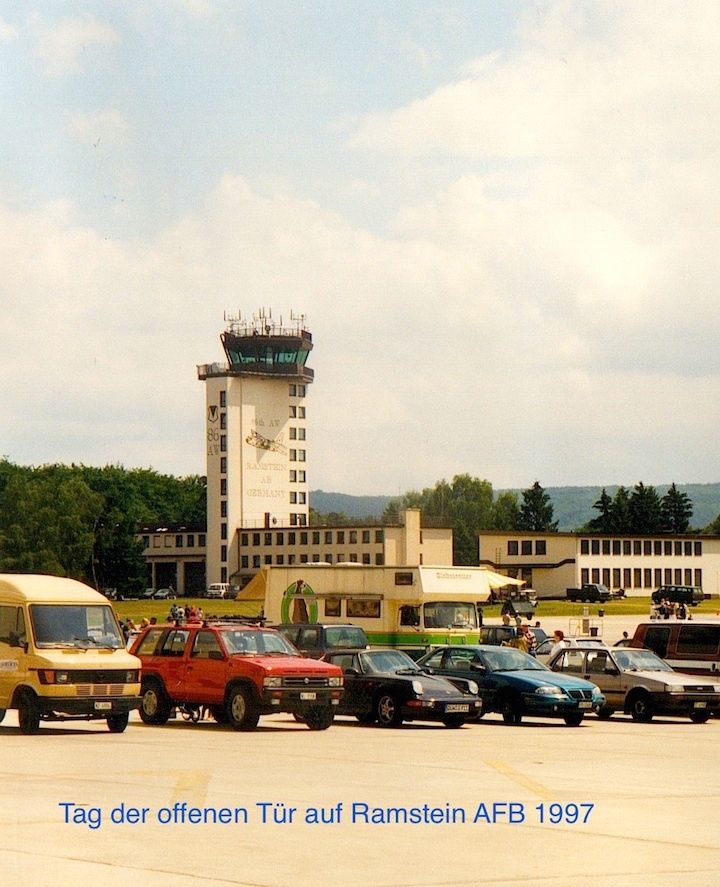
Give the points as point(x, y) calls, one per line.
point(573, 506)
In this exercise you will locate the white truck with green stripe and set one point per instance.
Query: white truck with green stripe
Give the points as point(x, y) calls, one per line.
point(410, 607)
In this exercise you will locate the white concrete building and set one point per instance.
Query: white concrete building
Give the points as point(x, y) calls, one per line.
point(553, 562)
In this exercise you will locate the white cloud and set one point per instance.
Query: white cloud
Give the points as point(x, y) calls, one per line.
point(63, 46)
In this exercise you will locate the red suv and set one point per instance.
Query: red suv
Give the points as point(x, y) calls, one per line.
point(238, 671)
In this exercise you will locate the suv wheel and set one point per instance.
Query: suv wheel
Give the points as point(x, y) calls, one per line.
point(700, 717)
point(241, 711)
point(155, 707)
point(319, 717)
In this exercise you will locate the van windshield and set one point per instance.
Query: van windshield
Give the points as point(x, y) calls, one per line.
point(450, 614)
point(75, 625)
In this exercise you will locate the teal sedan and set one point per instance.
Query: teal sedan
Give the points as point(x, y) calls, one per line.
point(515, 684)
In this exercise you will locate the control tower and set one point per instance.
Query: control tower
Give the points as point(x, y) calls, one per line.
point(255, 434)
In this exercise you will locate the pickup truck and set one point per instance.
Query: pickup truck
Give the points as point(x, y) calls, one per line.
point(590, 593)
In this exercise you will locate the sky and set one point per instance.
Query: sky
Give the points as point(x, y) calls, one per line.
point(499, 220)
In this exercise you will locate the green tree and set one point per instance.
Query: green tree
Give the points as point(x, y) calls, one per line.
point(505, 511)
point(645, 512)
point(536, 511)
point(621, 521)
point(676, 509)
point(603, 523)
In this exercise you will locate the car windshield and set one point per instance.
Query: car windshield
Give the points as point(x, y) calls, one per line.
point(394, 661)
point(640, 660)
point(345, 636)
point(257, 642)
point(510, 659)
point(75, 625)
point(450, 614)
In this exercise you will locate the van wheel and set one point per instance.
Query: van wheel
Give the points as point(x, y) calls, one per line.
point(241, 711)
point(29, 714)
point(155, 707)
point(700, 717)
point(641, 708)
point(117, 723)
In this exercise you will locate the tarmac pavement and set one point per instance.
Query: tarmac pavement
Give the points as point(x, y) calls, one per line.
point(538, 805)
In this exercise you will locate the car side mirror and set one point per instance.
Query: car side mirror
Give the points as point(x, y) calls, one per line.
point(353, 672)
point(477, 666)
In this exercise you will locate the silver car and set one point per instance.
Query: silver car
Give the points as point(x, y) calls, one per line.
point(639, 683)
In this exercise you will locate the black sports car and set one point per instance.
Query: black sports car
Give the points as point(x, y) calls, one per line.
point(387, 687)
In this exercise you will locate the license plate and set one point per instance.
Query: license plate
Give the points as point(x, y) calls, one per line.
point(308, 695)
point(584, 704)
point(457, 707)
point(700, 705)
point(103, 706)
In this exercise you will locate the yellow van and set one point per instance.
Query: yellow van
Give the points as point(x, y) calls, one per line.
point(62, 654)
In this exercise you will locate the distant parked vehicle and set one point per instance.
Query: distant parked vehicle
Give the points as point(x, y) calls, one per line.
point(315, 640)
point(218, 590)
point(164, 594)
point(679, 594)
point(639, 683)
point(589, 593)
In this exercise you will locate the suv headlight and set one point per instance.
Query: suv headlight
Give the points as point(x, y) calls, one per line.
point(550, 691)
point(271, 681)
point(335, 682)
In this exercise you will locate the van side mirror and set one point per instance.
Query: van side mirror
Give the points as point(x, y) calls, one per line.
point(15, 641)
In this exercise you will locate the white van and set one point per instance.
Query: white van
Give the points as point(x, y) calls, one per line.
point(218, 590)
point(62, 654)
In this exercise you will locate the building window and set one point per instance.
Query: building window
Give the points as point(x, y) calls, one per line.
point(316, 558)
point(366, 558)
point(256, 561)
point(698, 578)
point(223, 508)
point(201, 540)
point(678, 549)
point(146, 542)
point(293, 455)
point(513, 547)
point(256, 538)
point(301, 413)
point(657, 547)
point(223, 421)
point(245, 562)
point(244, 539)
point(329, 558)
point(688, 548)
point(293, 412)
point(647, 575)
point(223, 553)
point(223, 486)
point(268, 538)
point(303, 559)
point(301, 391)
point(293, 434)
point(280, 560)
point(627, 582)
point(293, 498)
point(627, 548)
point(178, 541)
point(606, 576)
point(293, 391)
point(379, 560)
point(658, 576)
point(541, 547)
point(637, 546)
point(223, 399)
point(698, 550)
point(302, 498)
point(223, 531)
point(332, 607)
point(616, 546)
point(584, 576)
point(301, 477)
point(223, 443)
point(647, 547)
point(223, 464)
point(616, 577)
point(379, 536)
point(291, 539)
point(366, 537)
point(606, 547)
point(191, 540)
point(584, 546)
point(301, 455)
point(268, 560)
point(291, 559)
point(595, 546)
point(328, 537)
point(595, 575)
point(301, 434)
point(353, 537)
point(668, 576)
point(637, 577)
point(341, 537)
point(280, 539)
point(316, 537)
point(526, 546)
